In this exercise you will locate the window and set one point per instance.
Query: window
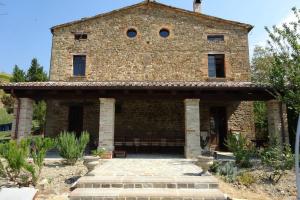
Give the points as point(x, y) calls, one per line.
point(132, 33)
point(80, 36)
point(79, 63)
point(215, 38)
point(164, 33)
point(216, 66)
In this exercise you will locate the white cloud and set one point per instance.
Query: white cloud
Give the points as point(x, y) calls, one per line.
point(262, 41)
point(289, 18)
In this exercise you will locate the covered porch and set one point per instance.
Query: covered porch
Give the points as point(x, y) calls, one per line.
point(147, 117)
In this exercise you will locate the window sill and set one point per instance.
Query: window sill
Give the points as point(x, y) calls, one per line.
point(77, 78)
point(218, 79)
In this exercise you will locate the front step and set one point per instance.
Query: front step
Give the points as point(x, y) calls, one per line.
point(145, 194)
point(187, 182)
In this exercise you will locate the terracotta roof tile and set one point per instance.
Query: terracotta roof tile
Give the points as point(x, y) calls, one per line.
point(131, 84)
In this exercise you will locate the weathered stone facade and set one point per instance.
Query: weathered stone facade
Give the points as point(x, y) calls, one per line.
point(149, 118)
point(149, 57)
point(112, 56)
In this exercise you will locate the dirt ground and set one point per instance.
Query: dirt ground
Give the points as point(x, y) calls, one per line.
point(57, 179)
point(285, 189)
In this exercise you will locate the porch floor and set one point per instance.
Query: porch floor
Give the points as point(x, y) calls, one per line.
point(148, 165)
point(150, 177)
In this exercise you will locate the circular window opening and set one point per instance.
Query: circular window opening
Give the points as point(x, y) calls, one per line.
point(164, 33)
point(132, 33)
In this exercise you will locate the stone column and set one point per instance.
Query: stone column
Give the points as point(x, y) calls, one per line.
point(107, 124)
point(192, 128)
point(22, 123)
point(277, 121)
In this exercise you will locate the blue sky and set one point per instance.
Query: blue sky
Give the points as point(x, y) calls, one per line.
point(25, 24)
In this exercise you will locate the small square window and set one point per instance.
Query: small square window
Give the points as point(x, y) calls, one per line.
point(79, 64)
point(80, 36)
point(215, 38)
point(216, 66)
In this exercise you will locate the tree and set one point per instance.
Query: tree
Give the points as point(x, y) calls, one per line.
point(36, 72)
point(18, 75)
point(284, 73)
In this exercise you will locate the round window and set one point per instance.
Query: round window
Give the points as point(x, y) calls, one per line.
point(132, 33)
point(164, 33)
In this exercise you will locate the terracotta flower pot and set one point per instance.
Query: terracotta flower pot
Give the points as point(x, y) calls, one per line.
point(106, 155)
point(205, 162)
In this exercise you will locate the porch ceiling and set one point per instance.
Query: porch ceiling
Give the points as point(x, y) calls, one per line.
point(180, 89)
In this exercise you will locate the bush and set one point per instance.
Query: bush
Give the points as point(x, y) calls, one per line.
point(39, 148)
point(278, 159)
point(228, 171)
point(246, 179)
point(238, 145)
point(70, 148)
point(14, 165)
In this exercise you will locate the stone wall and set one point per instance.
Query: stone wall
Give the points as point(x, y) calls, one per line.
point(57, 118)
point(239, 114)
point(111, 55)
point(149, 118)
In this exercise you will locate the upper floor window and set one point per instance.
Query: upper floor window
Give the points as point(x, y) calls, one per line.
point(216, 66)
point(215, 38)
point(80, 36)
point(79, 64)
point(131, 33)
point(164, 33)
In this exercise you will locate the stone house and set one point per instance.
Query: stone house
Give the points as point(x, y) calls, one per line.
point(149, 78)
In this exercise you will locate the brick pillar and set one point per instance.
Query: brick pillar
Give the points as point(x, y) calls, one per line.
point(192, 128)
point(107, 124)
point(277, 121)
point(22, 123)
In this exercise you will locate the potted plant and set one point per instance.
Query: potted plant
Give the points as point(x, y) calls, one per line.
point(102, 153)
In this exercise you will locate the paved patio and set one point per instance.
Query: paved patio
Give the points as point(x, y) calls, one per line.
point(147, 177)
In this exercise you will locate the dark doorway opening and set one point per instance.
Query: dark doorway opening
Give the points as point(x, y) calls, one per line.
point(76, 119)
point(218, 127)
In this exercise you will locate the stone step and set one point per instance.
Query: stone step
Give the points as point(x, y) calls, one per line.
point(188, 182)
point(145, 194)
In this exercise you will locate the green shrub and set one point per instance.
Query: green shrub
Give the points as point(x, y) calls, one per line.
point(215, 166)
point(39, 148)
point(246, 179)
point(14, 165)
point(228, 171)
point(278, 159)
point(238, 145)
point(70, 148)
